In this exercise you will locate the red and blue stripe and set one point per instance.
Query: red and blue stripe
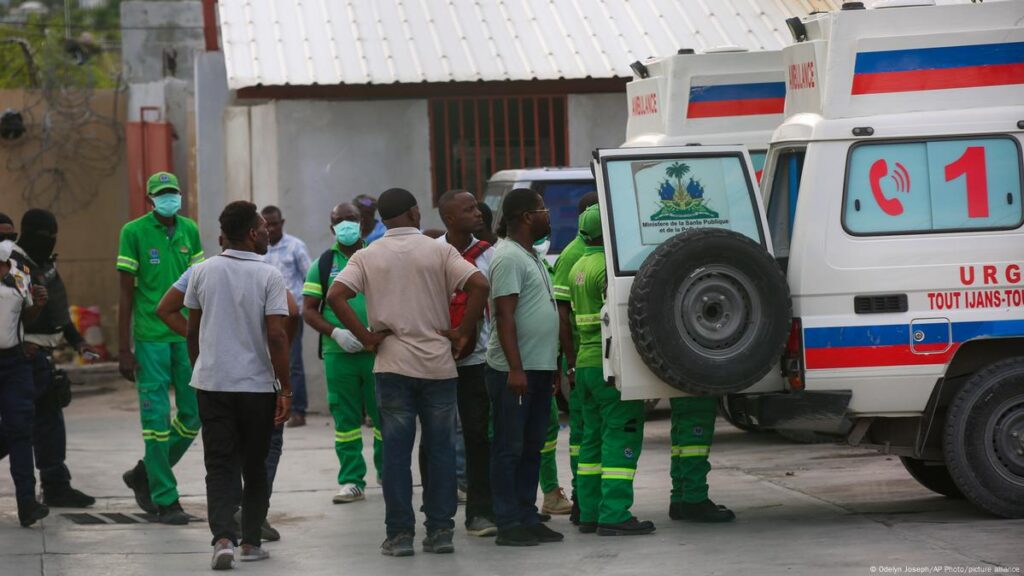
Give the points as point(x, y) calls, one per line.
point(939, 68)
point(889, 345)
point(736, 100)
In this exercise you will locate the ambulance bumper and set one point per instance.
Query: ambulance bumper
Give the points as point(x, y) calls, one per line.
point(812, 411)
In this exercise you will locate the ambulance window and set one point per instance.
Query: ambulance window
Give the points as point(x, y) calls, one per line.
point(782, 202)
point(653, 198)
point(757, 159)
point(944, 185)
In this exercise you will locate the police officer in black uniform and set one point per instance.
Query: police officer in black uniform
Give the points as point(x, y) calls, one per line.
point(42, 334)
point(19, 301)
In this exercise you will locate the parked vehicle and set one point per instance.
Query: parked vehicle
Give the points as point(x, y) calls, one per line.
point(893, 194)
point(561, 187)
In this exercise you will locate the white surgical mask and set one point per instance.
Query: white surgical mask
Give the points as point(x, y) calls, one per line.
point(6, 248)
point(542, 246)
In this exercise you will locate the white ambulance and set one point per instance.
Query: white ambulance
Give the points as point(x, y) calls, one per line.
point(893, 193)
point(693, 286)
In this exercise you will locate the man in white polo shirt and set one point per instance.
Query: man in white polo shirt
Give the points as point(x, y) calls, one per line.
point(408, 279)
point(238, 345)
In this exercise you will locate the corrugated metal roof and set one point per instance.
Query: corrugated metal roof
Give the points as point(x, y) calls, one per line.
point(329, 42)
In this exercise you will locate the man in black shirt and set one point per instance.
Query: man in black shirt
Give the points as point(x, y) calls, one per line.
point(45, 332)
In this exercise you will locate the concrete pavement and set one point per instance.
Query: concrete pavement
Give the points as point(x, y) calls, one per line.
point(802, 509)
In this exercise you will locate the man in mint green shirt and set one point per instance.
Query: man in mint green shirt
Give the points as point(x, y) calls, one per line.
point(521, 363)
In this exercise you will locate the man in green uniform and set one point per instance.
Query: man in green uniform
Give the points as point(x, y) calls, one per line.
point(555, 502)
point(693, 426)
point(568, 339)
point(347, 367)
point(613, 429)
point(154, 252)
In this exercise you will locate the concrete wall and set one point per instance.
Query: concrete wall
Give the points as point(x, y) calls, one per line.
point(88, 236)
point(155, 30)
point(211, 99)
point(595, 121)
point(159, 44)
point(306, 156)
point(331, 151)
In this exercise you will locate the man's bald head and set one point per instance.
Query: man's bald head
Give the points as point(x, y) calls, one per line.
point(448, 201)
point(344, 211)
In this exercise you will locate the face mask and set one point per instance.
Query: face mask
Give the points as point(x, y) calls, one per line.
point(542, 246)
point(167, 205)
point(38, 247)
point(347, 233)
point(6, 247)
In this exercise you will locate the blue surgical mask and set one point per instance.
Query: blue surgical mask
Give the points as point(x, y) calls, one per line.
point(167, 205)
point(347, 233)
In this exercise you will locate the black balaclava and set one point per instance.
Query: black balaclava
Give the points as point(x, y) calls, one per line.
point(38, 234)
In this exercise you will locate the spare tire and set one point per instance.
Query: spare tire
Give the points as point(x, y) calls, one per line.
point(709, 311)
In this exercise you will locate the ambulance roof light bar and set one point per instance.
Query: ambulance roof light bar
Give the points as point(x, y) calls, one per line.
point(639, 69)
point(796, 29)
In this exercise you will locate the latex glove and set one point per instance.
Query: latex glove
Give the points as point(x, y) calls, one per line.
point(347, 341)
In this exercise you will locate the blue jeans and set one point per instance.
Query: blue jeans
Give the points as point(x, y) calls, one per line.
point(300, 401)
point(274, 456)
point(17, 409)
point(400, 399)
point(520, 426)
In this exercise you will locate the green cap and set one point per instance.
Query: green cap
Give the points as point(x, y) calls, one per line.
point(590, 223)
point(161, 181)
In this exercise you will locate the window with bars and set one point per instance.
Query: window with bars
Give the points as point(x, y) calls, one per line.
point(472, 138)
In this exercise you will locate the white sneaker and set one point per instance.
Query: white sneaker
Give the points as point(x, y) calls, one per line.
point(223, 555)
point(348, 493)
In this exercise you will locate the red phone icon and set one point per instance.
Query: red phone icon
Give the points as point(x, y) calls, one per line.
point(891, 206)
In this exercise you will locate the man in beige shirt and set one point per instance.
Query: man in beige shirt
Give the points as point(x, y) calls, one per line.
point(407, 279)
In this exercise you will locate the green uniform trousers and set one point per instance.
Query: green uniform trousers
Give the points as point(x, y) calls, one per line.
point(613, 436)
point(693, 427)
point(575, 430)
point(548, 464)
point(350, 390)
point(161, 366)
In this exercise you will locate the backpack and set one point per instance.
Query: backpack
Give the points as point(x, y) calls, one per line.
point(324, 265)
point(457, 305)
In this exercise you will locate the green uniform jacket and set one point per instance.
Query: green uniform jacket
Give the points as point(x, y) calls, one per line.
point(313, 289)
point(589, 281)
point(156, 260)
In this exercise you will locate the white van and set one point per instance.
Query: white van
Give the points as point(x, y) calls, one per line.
point(894, 199)
point(561, 187)
point(893, 193)
point(685, 170)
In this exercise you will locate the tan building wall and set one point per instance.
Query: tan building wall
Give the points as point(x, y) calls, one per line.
point(84, 145)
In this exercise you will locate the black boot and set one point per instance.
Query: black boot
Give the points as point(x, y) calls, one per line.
point(138, 482)
point(66, 497)
point(706, 511)
point(31, 511)
point(173, 514)
point(631, 527)
point(574, 515)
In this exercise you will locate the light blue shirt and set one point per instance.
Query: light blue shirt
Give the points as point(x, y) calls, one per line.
point(378, 231)
point(291, 258)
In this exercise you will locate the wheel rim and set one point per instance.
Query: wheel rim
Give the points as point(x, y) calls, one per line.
point(717, 310)
point(1005, 429)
